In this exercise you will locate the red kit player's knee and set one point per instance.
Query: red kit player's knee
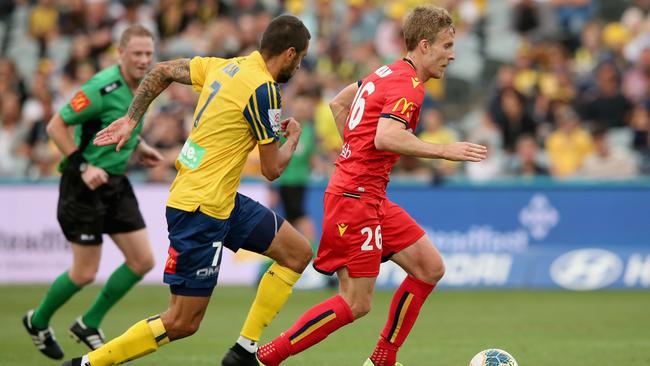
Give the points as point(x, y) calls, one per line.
point(433, 274)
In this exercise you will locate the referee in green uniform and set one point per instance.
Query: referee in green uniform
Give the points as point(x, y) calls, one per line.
point(295, 179)
point(95, 196)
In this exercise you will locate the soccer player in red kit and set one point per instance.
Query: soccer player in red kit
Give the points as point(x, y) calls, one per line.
point(361, 227)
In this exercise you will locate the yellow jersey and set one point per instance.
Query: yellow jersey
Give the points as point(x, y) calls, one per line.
point(239, 107)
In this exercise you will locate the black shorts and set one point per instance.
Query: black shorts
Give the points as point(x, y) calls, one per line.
point(85, 214)
point(293, 198)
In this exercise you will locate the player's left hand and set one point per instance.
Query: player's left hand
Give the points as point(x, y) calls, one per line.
point(291, 128)
point(117, 132)
point(149, 156)
point(464, 151)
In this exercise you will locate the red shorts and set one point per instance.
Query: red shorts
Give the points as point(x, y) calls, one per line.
point(360, 235)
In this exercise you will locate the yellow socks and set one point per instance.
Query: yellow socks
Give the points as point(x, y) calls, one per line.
point(273, 291)
point(141, 339)
point(148, 335)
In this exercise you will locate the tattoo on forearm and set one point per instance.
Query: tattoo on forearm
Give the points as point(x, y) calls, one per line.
point(180, 71)
point(155, 82)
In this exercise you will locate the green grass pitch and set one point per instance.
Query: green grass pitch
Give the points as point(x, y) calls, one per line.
point(539, 328)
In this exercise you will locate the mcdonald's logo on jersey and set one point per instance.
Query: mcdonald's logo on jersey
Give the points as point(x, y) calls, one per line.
point(79, 102)
point(406, 107)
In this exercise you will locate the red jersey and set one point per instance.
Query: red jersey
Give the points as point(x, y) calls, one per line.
point(394, 92)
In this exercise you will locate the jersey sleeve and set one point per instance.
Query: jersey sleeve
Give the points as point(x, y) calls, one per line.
point(263, 112)
point(84, 105)
point(199, 69)
point(403, 101)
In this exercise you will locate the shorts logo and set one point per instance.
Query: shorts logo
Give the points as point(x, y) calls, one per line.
point(86, 237)
point(342, 228)
point(406, 108)
point(172, 259)
point(79, 102)
point(207, 272)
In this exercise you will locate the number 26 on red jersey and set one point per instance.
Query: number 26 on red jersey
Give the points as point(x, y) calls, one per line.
point(359, 103)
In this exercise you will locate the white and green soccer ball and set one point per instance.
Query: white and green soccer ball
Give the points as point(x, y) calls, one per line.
point(493, 357)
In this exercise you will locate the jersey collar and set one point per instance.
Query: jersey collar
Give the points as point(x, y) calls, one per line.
point(408, 61)
point(256, 56)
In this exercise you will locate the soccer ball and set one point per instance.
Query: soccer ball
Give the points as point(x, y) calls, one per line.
point(493, 357)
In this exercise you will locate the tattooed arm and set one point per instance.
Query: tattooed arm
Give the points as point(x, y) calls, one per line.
point(151, 86)
point(155, 82)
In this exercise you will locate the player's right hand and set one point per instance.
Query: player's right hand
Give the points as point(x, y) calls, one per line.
point(291, 128)
point(464, 151)
point(117, 132)
point(94, 177)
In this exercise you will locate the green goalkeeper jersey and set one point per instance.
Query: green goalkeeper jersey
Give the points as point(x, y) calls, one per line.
point(100, 101)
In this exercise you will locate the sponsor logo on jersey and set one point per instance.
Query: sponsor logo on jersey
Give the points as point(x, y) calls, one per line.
point(110, 87)
point(406, 107)
point(191, 154)
point(79, 102)
point(342, 228)
point(345, 151)
point(172, 259)
point(415, 82)
point(274, 118)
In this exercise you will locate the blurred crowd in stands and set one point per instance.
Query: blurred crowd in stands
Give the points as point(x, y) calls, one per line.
point(557, 88)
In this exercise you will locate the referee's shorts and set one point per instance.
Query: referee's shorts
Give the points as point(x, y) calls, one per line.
point(85, 214)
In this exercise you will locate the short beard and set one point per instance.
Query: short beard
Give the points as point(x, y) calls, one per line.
point(284, 76)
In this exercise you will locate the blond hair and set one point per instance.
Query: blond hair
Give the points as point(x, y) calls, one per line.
point(135, 30)
point(425, 22)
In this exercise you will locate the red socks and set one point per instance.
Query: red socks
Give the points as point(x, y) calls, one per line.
point(312, 327)
point(404, 310)
point(325, 318)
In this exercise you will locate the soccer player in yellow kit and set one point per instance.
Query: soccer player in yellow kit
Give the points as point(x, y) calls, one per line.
point(239, 107)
